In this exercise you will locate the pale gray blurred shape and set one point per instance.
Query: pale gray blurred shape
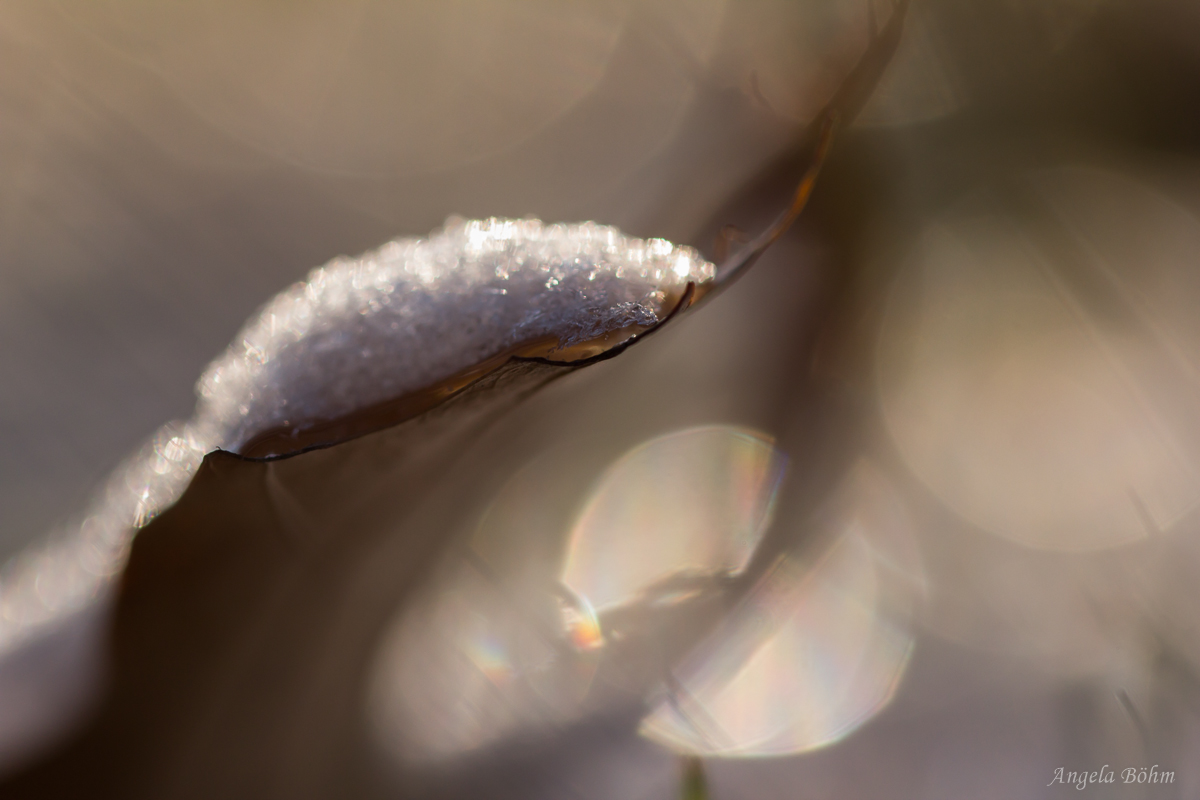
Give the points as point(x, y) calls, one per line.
point(1017, 390)
point(1076, 616)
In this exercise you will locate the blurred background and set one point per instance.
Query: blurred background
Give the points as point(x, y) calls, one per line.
point(942, 442)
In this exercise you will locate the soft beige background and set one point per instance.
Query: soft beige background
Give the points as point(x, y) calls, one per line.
point(993, 303)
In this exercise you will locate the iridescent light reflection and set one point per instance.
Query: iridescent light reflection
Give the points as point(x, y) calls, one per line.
point(506, 650)
point(811, 652)
point(814, 651)
point(479, 663)
point(694, 501)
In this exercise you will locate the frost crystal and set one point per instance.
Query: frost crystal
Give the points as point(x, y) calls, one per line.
point(415, 311)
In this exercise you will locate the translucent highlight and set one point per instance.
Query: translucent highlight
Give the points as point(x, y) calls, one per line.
point(581, 623)
point(694, 501)
point(813, 652)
